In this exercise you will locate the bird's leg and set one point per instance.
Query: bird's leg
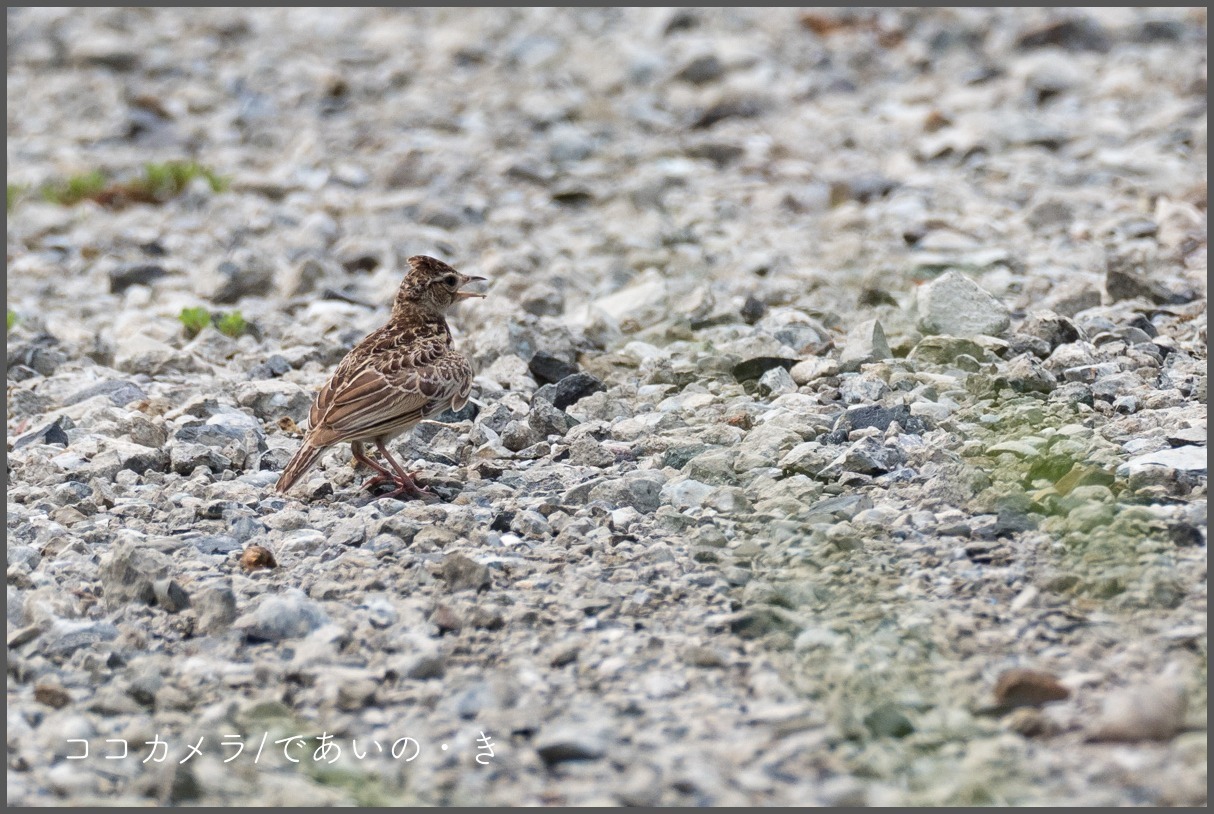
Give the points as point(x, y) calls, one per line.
point(404, 481)
point(384, 475)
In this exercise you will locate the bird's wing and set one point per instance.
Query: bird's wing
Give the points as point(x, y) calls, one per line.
point(390, 393)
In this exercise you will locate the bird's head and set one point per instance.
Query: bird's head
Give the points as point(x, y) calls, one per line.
point(432, 286)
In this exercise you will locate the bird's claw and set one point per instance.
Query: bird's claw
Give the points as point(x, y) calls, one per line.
point(378, 480)
point(404, 487)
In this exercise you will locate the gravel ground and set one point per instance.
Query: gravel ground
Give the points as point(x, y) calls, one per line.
point(839, 433)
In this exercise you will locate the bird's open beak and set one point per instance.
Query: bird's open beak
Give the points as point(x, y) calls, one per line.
point(465, 295)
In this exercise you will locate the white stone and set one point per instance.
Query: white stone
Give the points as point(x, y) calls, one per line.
point(955, 305)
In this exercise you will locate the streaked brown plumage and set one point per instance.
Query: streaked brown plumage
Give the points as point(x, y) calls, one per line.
point(398, 375)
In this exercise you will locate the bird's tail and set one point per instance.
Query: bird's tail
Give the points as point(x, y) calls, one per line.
point(299, 465)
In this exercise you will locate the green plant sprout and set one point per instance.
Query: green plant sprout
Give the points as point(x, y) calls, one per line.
point(194, 320)
point(232, 324)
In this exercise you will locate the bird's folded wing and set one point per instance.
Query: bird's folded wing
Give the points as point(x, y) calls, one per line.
point(374, 403)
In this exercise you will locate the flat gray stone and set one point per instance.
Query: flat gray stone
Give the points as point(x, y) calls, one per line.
point(1185, 459)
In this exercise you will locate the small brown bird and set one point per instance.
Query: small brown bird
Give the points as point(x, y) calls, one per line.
point(398, 375)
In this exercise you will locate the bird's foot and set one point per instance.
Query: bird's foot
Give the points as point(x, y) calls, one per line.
point(378, 480)
point(405, 487)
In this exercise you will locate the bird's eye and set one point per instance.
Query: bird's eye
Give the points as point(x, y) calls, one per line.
point(450, 280)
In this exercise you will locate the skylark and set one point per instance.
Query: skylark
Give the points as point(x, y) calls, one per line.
point(398, 375)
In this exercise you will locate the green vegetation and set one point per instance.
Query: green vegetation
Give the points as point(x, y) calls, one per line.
point(12, 319)
point(159, 182)
point(195, 319)
point(231, 324)
point(163, 181)
point(75, 189)
point(15, 193)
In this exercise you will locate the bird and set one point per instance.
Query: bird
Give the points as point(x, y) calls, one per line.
point(401, 373)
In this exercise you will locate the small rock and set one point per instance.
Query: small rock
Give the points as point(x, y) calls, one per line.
point(756, 622)
point(955, 305)
point(549, 369)
point(349, 533)
point(216, 609)
point(381, 613)
point(585, 451)
point(304, 276)
point(288, 616)
point(807, 458)
point(52, 695)
point(776, 382)
point(124, 277)
point(687, 494)
point(1118, 385)
point(543, 299)
point(128, 574)
point(564, 654)
point(1188, 435)
point(1153, 711)
point(52, 433)
point(1028, 688)
point(740, 108)
point(517, 436)
point(560, 743)
point(752, 310)
point(842, 507)
point(530, 524)
point(445, 618)
point(105, 51)
point(862, 188)
point(702, 69)
point(1090, 374)
point(943, 350)
point(642, 494)
point(184, 458)
point(170, 596)
point(862, 389)
point(888, 721)
point(723, 154)
point(275, 366)
point(256, 557)
point(1051, 213)
point(1024, 374)
point(809, 370)
point(570, 390)
point(464, 574)
point(865, 343)
point(1031, 723)
point(714, 467)
point(426, 666)
point(1052, 328)
point(39, 355)
point(546, 419)
point(24, 635)
point(867, 456)
point(1184, 459)
point(356, 694)
point(142, 354)
point(121, 393)
point(1080, 33)
point(700, 656)
point(254, 279)
point(271, 399)
point(66, 637)
point(428, 538)
point(754, 368)
point(1132, 273)
point(872, 415)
